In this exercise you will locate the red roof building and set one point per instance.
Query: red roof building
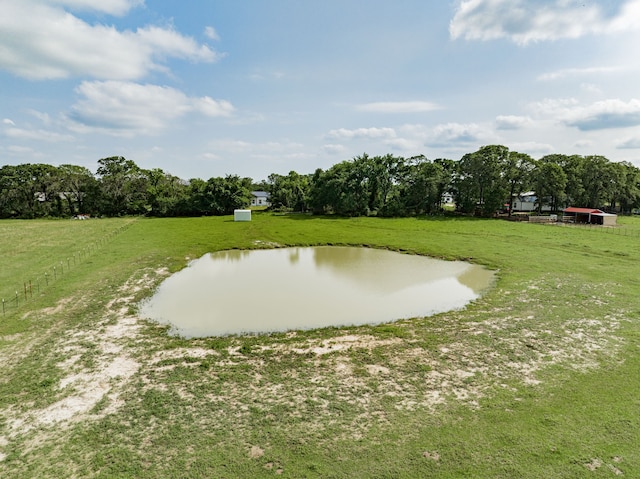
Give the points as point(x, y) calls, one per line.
point(590, 216)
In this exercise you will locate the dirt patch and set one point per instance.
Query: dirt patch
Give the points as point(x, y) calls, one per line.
point(109, 369)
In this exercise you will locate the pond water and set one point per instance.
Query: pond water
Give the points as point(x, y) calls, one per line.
point(261, 291)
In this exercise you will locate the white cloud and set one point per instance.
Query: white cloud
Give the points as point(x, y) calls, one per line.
point(511, 122)
point(111, 7)
point(333, 149)
point(40, 40)
point(405, 144)
point(525, 21)
point(573, 72)
point(20, 150)
point(211, 34)
point(128, 109)
point(454, 134)
point(7, 121)
point(398, 107)
point(370, 133)
point(38, 135)
point(600, 115)
point(606, 114)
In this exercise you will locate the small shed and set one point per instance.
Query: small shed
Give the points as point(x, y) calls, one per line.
point(241, 215)
point(589, 216)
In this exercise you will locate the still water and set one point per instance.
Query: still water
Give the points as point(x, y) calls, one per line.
point(260, 291)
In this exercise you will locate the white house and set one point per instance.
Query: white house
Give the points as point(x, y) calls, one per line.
point(260, 198)
point(527, 202)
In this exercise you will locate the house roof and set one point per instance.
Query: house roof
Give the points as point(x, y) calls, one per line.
point(261, 194)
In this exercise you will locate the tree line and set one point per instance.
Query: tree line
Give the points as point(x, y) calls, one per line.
point(483, 183)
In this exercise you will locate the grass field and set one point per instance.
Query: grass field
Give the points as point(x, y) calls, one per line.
point(540, 378)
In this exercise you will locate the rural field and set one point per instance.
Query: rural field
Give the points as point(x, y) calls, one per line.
point(540, 378)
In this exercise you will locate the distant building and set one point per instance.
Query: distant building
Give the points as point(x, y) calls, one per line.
point(527, 202)
point(589, 216)
point(260, 198)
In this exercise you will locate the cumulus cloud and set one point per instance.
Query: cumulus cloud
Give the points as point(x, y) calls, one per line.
point(370, 133)
point(453, 134)
point(42, 40)
point(600, 115)
point(525, 21)
point(127, 109)
point(511, 122)
point(606, 114)
point(398, 107)
point(7, 121)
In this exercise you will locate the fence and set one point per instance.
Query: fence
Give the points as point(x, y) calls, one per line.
point(618, 230)
point(27, 290)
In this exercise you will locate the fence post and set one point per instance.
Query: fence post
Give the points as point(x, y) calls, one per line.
point(3, 306)
point(25, 291)
point(30, 289)
point(46, 278)
point(17, 300)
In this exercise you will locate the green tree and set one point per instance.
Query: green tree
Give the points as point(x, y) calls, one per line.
point(290, 192)
point(418, 186)
point(166, 194)
point(480, 183)
point(227, 194)
point(79, 188)
point(123, 187)
point(517, 174)
point(549, 183)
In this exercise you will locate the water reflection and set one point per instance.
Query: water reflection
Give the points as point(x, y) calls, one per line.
point(232, 292)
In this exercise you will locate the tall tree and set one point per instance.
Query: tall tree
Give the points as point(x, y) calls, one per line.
point(290, 192)
point(166, 194)
point(123, 186)
point(227, 194)
point(79, 188)
point(481, 183)
point(549, 183)
point(517, 174)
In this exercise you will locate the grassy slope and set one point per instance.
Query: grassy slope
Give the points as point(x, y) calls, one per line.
point(562, 293)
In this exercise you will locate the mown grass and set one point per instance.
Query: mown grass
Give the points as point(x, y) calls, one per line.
point(538, 379)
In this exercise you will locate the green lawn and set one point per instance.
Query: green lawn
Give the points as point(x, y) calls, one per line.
point(538, 379)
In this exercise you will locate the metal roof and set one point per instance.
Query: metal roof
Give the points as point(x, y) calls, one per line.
point(586, 211)
point(261, 194)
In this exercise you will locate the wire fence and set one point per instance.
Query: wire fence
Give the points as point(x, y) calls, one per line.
point(30, 289)
point(618, 230)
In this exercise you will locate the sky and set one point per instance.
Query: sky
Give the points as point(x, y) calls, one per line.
point(203, 89)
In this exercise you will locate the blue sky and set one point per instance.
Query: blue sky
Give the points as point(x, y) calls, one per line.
point(254, 87)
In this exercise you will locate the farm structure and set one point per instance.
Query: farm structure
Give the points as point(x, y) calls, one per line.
point(589, 216)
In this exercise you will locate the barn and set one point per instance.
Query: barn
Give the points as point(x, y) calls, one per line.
point(589, 216)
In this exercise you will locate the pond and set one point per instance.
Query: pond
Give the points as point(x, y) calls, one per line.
point(274, 290)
